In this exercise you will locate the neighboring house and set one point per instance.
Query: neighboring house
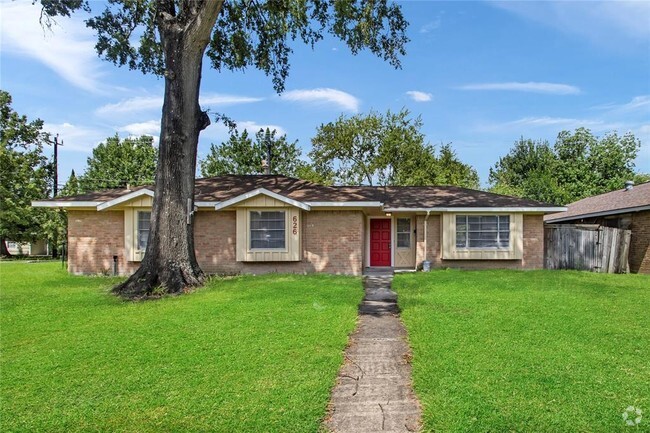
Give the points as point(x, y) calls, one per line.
point(627, 208)
point(268, 223)
point(36, 248)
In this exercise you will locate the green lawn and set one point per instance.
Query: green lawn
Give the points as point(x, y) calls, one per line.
point(542, 351)
point(242, 354)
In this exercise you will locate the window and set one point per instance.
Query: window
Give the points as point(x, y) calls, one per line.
point(403, 232)
point(144, 224)
point(483, 231)
point(267, 230)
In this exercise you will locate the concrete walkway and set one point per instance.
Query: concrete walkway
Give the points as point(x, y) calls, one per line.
point(373, 391)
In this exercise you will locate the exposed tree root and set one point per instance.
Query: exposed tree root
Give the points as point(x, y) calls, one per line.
point(151, 281)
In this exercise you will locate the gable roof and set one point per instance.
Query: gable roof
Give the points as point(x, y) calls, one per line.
point(230, 189)
point(609, 203)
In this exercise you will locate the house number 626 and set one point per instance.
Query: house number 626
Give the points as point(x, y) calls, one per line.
point(295, 225)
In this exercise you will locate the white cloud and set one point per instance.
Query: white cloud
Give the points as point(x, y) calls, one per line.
point(638, 103)
point(431, 26)
point(132, 105)
point(218, 131)
point(418, 96)
point(76, 138)
point(531, 86)
point(68, 50)
point(548, 124)
point(603, 22)
point(324, 96)
point(140, 104)
point(218, 99)
point(553, 121)
point(150, 127)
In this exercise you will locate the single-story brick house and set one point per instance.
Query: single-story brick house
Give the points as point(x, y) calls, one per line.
point(267, 223)
point(626, 208)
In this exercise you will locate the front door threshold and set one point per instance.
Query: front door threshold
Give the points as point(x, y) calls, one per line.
point(379, 270)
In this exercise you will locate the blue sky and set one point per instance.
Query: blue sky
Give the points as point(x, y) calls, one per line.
point(481, 74)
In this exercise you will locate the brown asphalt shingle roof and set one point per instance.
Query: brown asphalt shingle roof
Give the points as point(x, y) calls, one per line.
point(221, 188)
point(614, 201)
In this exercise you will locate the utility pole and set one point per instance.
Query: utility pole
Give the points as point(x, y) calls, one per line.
point(55, 187)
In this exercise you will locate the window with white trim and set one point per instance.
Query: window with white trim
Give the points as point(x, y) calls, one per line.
point(267, 230)
point(483, 231)
point(403, 232)
point(144, 225)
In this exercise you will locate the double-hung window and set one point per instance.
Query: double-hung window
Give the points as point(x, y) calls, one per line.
point(267, 230)
point(483, 231)
point(144, 225)
point(403, 232)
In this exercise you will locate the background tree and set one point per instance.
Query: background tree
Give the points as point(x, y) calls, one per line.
point(116, 163)
point(243, 154)
point(386, 149)
point(528, 170)
point(25, 175)
point(450, 170)
point(170, 38)
point(579, 165)
point(72, 186)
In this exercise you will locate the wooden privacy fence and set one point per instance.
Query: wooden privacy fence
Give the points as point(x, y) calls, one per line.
point(586, 247)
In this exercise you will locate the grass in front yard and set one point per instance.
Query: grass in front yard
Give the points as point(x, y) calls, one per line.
point(241, 354)
point(543, 351)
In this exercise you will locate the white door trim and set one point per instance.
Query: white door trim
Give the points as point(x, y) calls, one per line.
point(392, 237)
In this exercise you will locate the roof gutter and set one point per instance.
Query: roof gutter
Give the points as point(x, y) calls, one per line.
point(478, 209)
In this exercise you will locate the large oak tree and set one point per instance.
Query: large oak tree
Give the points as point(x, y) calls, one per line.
point(171, 38)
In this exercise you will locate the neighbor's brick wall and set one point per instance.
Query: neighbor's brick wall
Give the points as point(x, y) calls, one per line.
point(639, 257)
point(93, 239)
point(533, 258)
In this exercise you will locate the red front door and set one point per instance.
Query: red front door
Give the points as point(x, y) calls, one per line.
point(380, 242)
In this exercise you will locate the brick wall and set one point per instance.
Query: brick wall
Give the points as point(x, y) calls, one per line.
point(433, 246)
point(533, 242)
point(93, 239)
point(639, 257)
point(332, 241)
point(533, 232)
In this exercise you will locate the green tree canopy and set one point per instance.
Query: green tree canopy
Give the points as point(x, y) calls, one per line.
point(579, 165)
point(118, 162)
point(386, 149)
point(243, 154)
point(72, 186)
point(25, 175)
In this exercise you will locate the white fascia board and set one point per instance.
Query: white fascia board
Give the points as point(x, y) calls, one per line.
point(598, 214)
point(205, 203)
point(345, 203)
point(261, 191)
point(62, 204)
point(478, 209)
point(124, 198)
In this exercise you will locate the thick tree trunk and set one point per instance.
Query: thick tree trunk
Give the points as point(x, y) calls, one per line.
point(169, 264)
point(4, 251)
